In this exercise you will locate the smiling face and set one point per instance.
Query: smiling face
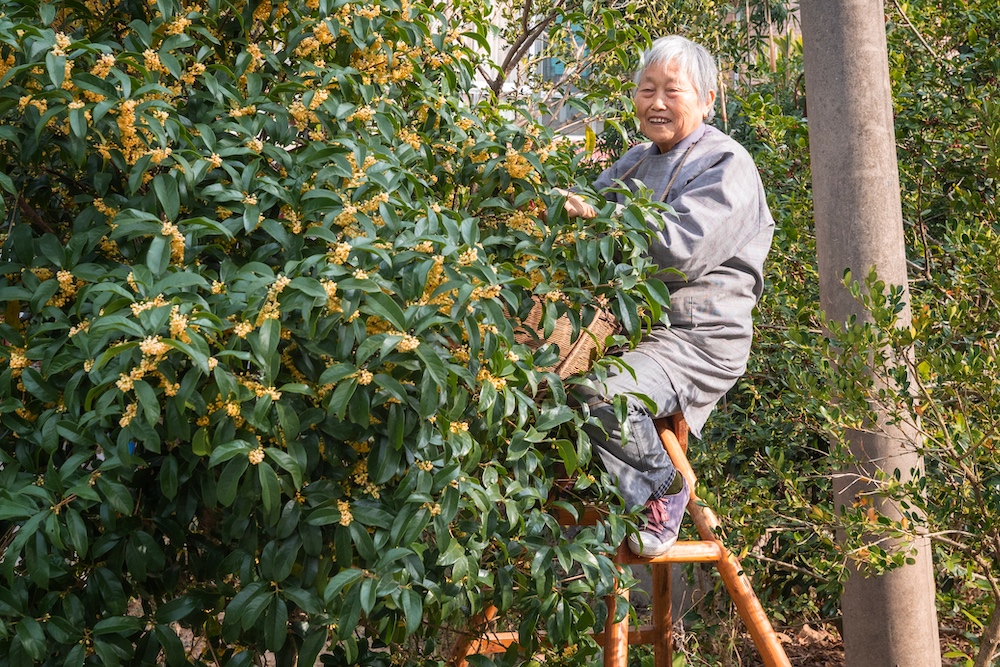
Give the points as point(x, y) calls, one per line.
point(667, 104)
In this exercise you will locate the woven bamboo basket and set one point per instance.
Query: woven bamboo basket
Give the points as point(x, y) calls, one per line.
point(575, 356)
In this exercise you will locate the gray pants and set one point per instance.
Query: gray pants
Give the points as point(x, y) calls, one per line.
point(640, 464)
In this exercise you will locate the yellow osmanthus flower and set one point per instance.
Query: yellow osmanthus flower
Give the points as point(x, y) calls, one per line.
point(344, 507)
point(469, 256)
point(103, 66)
point(153, 346)
point(256, 456)
point(410, 137)
point(365, 377)
point(151, 61)
point(488, 292)
point(81, 327)
point(179, 325)
point(176, 242)
point(128, 415)
point(178, 25)
point(62, 43)
point(459, 427)
point(517, 165)
point(242, 328)
point(6, 64)
point(364, 114)
point(333, 303)
point(192, 73)
point(485, 376)
point(339, 254)
point(408, 344)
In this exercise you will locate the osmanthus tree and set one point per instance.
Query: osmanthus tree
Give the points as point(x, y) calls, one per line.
point(262, 266)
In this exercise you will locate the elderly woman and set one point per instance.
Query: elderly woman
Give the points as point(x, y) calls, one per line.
point(717, 236)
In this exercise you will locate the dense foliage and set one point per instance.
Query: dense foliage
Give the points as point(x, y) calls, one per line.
point(261, 270)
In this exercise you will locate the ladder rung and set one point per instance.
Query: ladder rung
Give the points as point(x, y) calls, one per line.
point(698, 551)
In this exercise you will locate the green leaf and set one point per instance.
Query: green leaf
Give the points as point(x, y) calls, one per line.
point(276, 624)
point(32, 637)
point(177, 609)
point(158, 255)
point(554, 416)
point(227, 451)
point(173, 647)
point(287, 463)
point(413, 609)
point(344, 579)
point(229, 480)
point(56, 66)
point(148, 401)
point(118, 625)
point(165, 187)
point(38, 387)
point(270, 488)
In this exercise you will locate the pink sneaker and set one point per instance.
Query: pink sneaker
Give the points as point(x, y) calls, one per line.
point(663, 522)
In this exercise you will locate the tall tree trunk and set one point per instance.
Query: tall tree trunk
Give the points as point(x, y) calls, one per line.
point(889, 620)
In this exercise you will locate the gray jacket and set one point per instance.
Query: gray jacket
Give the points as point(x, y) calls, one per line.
point(718, 237)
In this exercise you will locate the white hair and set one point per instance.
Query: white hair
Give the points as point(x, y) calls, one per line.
point(693, 59)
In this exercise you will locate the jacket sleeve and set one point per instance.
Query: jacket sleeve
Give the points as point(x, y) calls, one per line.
point(715, 214)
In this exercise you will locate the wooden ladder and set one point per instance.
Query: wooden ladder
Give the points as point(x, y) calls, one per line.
point(616, 636)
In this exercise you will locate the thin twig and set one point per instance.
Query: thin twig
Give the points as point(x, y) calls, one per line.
point(788, 566)
point(915, 31)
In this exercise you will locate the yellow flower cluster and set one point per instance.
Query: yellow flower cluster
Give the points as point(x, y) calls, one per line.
point(459, 427)
point(256, 456)
point(435, 277)
point(523, 222)
point(408, 344)
point(489, 292)
point(426, 466)
point(364, 376)
point(271, 310)
point(152, 346)
point(81, 327)
point(130, 411)
point(517, 165)
point(6, 64)
point(469, 256)
point(102, 67)
point(364, 114)
point(485, 376)
point(333, 304)
point(179, 325)
point(344, 508)
point(68, 287)
point(176, 242)
point(141, 306)
point(241, 329)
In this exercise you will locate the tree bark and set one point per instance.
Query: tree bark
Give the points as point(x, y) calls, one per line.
point(890, 619)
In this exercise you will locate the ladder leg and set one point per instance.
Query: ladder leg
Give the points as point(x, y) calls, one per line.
point(738, 584)
point(662, 616)
point(616, 634)
point(476, 629)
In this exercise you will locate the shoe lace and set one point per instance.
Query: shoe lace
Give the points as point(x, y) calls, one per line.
point(656, 516)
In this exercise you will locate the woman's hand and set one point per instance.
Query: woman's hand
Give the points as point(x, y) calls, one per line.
point(575, 206)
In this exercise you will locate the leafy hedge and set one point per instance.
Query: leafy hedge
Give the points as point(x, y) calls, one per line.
point(261, 270)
